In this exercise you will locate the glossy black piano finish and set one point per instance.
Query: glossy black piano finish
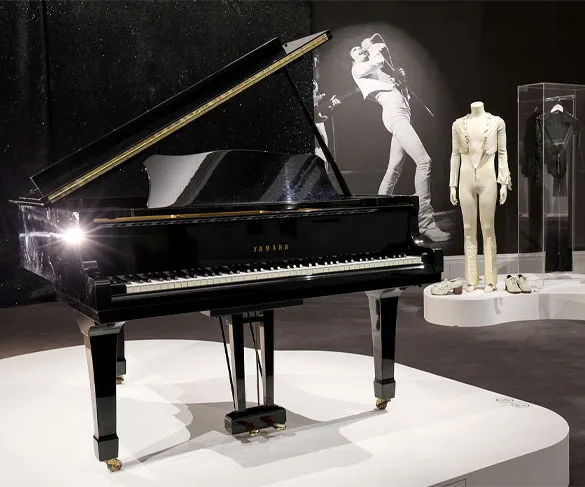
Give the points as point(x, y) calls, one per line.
point(83, 272)
point(288, 212)
point(140, 135)
point(231, 233)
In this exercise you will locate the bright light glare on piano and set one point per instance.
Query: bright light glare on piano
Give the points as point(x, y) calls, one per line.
point(74, 235)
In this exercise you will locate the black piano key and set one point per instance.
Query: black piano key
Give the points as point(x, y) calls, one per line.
point(226, 270)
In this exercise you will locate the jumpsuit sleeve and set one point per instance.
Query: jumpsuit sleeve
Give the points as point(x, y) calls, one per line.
point(455, 157)
point(503, 171)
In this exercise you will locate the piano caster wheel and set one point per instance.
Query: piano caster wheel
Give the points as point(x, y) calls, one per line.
point(278, 426)
point(119, 379)
point(254, 432)
point(381, 403)
point(114, 464)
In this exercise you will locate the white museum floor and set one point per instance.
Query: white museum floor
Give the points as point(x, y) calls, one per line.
point(437, 432)
point(559, 296)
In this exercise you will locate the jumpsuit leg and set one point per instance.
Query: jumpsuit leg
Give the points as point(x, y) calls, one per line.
point(468, 201)
point(488, 194)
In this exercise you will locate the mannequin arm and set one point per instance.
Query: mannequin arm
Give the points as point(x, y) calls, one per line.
point(503, 171)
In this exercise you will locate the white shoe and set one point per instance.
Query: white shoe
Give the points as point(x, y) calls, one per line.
point(444, 287)
point(512, 285)
point(523, 284)
point(435, 234)
point(489, 288)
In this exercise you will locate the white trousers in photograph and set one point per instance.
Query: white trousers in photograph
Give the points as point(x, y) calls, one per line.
point(478, 190)
point(405, 140)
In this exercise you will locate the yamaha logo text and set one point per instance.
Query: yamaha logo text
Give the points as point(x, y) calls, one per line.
point(270, 248)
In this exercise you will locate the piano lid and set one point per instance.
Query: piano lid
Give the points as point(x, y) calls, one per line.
point(232, 177)
point(132, 139)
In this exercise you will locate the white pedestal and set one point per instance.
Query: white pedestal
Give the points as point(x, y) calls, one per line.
point(559, 296)
point(437, 432)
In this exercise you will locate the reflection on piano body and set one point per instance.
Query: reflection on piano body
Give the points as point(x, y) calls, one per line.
point(231, 233)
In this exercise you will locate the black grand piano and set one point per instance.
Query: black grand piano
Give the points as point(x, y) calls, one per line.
point(232, 233)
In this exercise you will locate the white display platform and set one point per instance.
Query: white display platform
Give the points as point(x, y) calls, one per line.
point(558, 296)
point(437, 432)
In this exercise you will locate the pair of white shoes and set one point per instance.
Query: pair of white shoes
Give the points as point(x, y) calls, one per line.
point(456, 285)
point(514, 285)
point(447, 285)
point(517, 284)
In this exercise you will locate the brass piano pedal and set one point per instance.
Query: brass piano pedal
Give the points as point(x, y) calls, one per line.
point(252, 430)
point(382, 403)
point(119, 379)
point(278, 426)
point(114, 464)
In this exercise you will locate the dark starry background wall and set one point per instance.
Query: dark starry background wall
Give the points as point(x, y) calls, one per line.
point(73, 71)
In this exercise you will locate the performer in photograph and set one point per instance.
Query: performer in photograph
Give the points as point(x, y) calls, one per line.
point(321, 118)
point(390, 91)
point(321, 109)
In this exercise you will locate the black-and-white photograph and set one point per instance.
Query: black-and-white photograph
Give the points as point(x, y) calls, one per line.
point(382, 128)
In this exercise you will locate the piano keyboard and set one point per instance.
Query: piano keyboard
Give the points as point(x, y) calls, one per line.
point(190, 278)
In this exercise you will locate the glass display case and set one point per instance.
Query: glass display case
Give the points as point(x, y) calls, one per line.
point(551, 179)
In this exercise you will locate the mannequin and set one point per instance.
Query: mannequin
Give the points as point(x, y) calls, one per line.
point(476, 139)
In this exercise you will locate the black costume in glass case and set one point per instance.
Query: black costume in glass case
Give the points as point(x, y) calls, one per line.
point(552, 143)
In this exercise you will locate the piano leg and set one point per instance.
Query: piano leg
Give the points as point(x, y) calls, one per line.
point(236, 334)
point(120, 358)
point(101, 346)
point(267, 415)
point(277, 416)
point(266, 339)
point(383, 309)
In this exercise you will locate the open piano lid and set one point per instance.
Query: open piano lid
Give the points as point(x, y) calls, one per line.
point(128, 141)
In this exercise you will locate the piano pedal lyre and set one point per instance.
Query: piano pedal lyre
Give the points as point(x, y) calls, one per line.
point(277, 426)
point(114, 464)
